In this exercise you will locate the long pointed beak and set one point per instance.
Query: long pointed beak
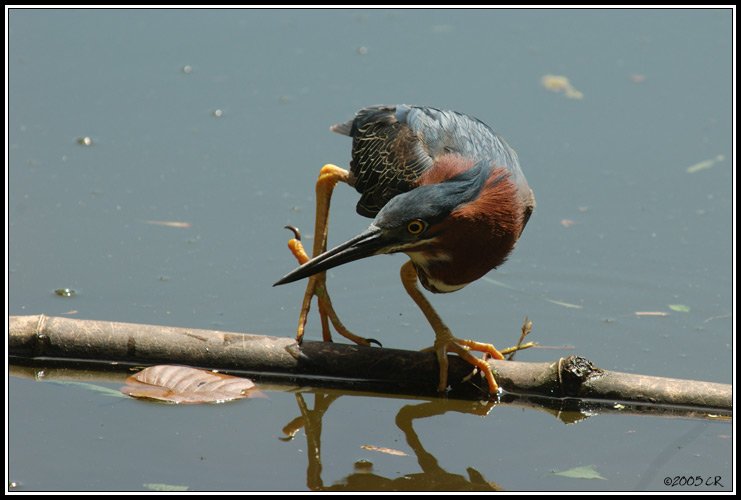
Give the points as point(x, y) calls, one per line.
point(367, 243)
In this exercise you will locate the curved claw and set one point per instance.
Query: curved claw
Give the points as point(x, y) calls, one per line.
point(317, 288)
point(296, 232)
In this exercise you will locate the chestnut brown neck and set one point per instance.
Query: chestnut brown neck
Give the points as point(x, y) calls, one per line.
point(476, 237)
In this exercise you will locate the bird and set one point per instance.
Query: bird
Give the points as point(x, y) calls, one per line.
point(441, 187)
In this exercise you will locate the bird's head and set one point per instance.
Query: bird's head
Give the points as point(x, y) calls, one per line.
point(431, 223)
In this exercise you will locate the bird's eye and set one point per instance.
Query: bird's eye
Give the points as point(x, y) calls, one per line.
point(416, 227)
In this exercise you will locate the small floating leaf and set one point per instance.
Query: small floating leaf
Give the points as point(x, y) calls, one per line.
point(584, 472)
point(560, 83)
point(169, 223)
point(65, 292)
point(182, 384)
point(84, 141)
point(387, 451)
point(705, 164)
point(679, 308)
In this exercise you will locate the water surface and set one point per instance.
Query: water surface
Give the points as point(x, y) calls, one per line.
point(219, 119)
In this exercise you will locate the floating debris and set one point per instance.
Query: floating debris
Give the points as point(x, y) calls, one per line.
point(169, 223)
point(584, 472)
point(652, 313)
point(567, 222)
point(387, 451)
point(679, 308)
point(565, 304)
point(705, 164)
point(218, 113)
point(722, 316)
point(65, 292)
point(559, 83)
point(85, 141)
point(187, 69)
point(552, 301)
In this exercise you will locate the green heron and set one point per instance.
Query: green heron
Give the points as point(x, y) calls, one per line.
point(443, 188)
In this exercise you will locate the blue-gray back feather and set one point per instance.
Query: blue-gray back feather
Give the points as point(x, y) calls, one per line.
point(394, 145)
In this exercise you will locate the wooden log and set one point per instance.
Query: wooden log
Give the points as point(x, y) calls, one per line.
point(341, 365)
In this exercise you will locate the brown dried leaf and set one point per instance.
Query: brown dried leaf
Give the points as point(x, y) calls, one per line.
point(387, 451)
point(186, 385)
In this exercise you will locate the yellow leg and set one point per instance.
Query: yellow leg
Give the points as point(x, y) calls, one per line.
point(444, 340)
point(329, 176)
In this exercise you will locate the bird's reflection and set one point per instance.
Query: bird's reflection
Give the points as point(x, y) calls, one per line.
point(432, 476)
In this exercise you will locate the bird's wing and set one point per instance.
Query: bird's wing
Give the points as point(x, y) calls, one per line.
point(394, 145)
point(388, 155)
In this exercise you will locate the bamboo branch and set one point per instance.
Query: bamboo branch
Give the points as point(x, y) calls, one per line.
point(341, 365)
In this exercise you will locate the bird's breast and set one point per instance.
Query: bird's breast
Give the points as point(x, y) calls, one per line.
point(437, 286)
point(428, 267)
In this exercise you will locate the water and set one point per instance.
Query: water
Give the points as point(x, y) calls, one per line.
point(621, 227)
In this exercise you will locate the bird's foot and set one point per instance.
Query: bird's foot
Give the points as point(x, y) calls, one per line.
point(527, 327)
point(445, 342)
point(317, 286)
